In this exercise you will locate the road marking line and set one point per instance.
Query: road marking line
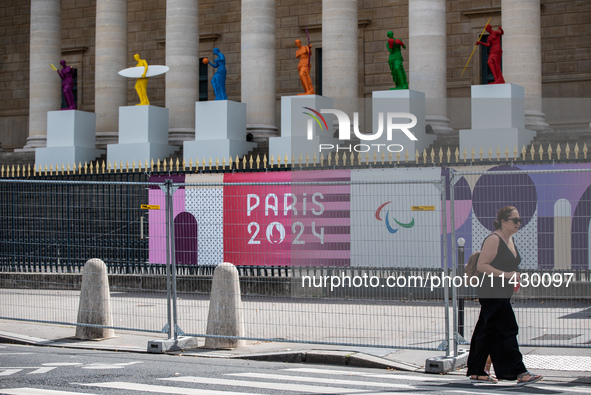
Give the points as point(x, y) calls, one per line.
point(44, 369)
point(266, 385)
point(392, 376)
point(8, 372)
point(319, 380)
point(160, 388)
point(35, 391)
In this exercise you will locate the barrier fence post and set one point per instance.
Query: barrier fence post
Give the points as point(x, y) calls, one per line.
point(461, 243)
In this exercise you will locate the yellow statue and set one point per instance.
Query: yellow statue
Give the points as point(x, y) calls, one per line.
point(142, 82)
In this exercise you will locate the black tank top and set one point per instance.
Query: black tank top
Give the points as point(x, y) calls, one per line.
point(505, 261)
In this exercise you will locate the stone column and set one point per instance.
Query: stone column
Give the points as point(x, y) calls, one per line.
point(182, 56)
point(258, 67)
point(44, 83)
point(111, 57)
point(522, 55)
point(340, 68)
point(428, 59)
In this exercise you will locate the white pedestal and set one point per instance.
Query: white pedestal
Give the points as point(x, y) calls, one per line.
point(220, 132)
point(296, 119)
point(498, 121)
point(70, 139)
point(143, 136)
point(399, 101)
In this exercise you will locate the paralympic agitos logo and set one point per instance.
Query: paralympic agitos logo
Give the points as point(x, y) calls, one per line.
point(345, 129)
point(387, 221)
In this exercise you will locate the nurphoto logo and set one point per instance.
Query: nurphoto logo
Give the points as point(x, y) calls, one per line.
point(391, 119)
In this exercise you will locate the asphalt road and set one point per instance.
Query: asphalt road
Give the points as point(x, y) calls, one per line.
point(49, 370)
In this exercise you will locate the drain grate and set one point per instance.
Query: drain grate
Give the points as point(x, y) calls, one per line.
point(555, 337)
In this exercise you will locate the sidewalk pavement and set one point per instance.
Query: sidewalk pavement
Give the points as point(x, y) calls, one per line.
point(562, 364)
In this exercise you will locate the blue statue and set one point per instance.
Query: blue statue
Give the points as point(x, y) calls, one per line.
point(219, 77)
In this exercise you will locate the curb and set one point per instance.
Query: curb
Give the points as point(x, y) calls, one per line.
point(323, 357)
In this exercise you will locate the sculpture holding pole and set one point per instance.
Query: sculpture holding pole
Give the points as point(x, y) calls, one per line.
point(67, 76)
point(495, 53)
point(395, 61)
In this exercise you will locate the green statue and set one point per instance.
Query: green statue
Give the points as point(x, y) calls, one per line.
point(395, 61)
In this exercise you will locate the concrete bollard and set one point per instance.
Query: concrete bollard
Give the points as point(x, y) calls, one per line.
point(225, 309)
point(95, 302)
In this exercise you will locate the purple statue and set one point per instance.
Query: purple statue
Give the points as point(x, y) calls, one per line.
point(67, 76)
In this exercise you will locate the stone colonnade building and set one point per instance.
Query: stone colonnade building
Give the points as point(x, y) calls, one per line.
point(546, 49)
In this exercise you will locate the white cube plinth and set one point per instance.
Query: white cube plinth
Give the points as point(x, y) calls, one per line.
point(220, 132)
point(70, 139)
point(296, 119)
point(143, 135)
point(498, 119)
point(399, 101)
point(498, 106)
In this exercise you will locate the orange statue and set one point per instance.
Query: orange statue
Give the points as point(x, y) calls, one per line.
point(304, 53)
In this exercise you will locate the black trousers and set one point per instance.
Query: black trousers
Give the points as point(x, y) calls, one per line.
point(496, 335)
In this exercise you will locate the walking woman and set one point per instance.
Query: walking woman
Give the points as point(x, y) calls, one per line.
point(496, 331)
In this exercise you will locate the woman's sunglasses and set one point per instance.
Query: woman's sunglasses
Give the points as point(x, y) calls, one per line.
point(515, 220)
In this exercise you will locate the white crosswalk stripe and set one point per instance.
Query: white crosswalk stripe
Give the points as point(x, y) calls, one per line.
point(267, 385)
point(308, 380)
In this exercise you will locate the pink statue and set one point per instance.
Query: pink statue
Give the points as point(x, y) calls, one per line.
point(67, 76)
point(495, 53)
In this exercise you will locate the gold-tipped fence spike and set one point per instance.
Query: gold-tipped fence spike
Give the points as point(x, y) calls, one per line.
point(585, 151)
point(576, 150)
point(382, 157)
point(473, 153)
point(567, 151)
point(417, 156)
point(375, 157)
point(481, 153)
point(217, 162)
point(329, 158)
point(549, 151)
point(425, 156)
point(314, 160)
point(558, 151)
point(406, 156)
point(18, 170)
point(103, 167)
point(465, 154)
point(133, 165)
point(85, 167)
point(448, 155)
point(29, 170)
point(286, 159)
point(46, 169)
point(178, 164)
point(91, 168)
point(265, 161)
point(63, 168)
point(2, 171)
point(541, 151)
point(336, 158)
point(50, 169)
point(397, 157)
point(367, 158)
point(251, 162)
point(433, 155)
point(210, 163)
point(390, 157)
point(441, 155)
point(158, 164)
point(244, 162)
point(321, 159)
point(171, 164)
point(140, 165)
point(258, 161)
point(359, 159)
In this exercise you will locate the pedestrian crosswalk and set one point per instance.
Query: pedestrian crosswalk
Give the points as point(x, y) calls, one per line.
point(292, 380)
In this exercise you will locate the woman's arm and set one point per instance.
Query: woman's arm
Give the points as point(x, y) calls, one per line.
point(487, 255)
